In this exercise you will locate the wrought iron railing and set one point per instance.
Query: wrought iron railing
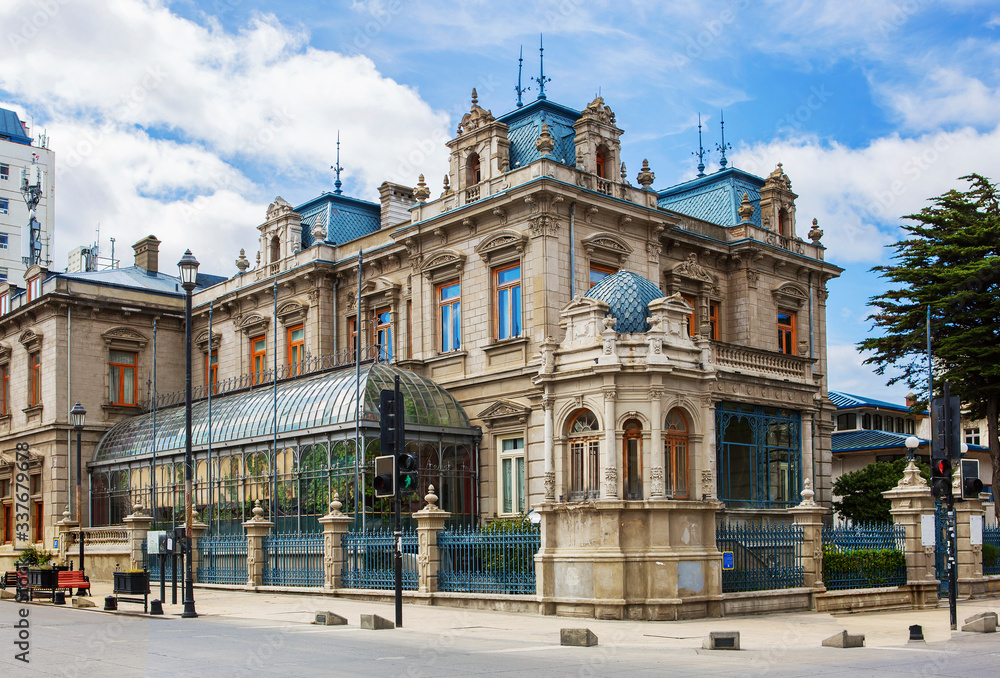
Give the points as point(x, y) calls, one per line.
point(864, 556)
point(252, 380)
point(991, 550)
point(492, 559)
point(765, 556)
point(223, 559)
point(293, 559)
point(369, 561)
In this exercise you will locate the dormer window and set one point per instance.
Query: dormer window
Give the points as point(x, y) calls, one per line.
point(34, 288)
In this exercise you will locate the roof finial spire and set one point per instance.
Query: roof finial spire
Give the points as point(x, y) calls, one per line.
point(475, 97)
point(337, 168)
point(520, 90)
point(541, 79)
point(724, 146)
point(701, 153)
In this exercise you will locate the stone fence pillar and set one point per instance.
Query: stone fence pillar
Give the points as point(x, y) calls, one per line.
point(137, 527)
point(198, 529)
point(68, 530)
point(256, 528)
point(335, 525)
point(968, 524)
point(912, 504)
point(809, 516)
point(430, 520)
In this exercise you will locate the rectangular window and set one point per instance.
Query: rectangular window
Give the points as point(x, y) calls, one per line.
point(4, 241)
point(847, 422)
point(35, 379)
point(758, 455)
point(352, 337)
point(4, 205)
point(599, 273)
point(3, 272)
point(296, 348)
point(34, 287)
point(450, 315)
point(507, 301)
point(122, 366)
point(382, 332)
point(8, 522)
point(972, 436)
point(786, 332)
point(5, 304)
point(258, 358)
point(692, 323)
point(713, 319)
point(212, 371)
point(38, 523)
point(4, 389)
point(512, 475)
point(4, 172)
point(584, 469)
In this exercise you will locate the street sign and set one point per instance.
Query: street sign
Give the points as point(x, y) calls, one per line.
point(153, 541)
point(728, 560)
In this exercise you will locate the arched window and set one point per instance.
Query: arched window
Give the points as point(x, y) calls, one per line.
point(601, 164)
point(866, 421)
point(899, 424)
point(474, 169)
point(584, 445)
point(275, 250)
point(632, 454)
point(675, 452)
point(783, 225)
point(877, 423)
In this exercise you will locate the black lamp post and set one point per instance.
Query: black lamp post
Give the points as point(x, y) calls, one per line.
point(78, 416)
point(188, 266)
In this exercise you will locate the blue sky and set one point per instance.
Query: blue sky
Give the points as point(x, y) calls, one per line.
point(185, 119)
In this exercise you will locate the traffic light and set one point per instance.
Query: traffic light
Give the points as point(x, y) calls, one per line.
point(941, 478)
point(385, 476)
point(946, 441)
point(971, 484)
point(406, 465)
point(389, 421)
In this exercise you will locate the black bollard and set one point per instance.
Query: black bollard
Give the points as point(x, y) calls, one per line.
point(110, 603)
point(916, 632)
point(59, 598)
point(155, 606)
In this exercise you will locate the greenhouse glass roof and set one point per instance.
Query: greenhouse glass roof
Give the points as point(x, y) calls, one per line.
point(304, 404)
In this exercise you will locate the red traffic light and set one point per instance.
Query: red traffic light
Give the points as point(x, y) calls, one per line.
point(942, 468)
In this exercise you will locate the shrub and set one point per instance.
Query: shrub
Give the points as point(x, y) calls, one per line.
point(34, 557)
point(873, 567)
point(991, 554)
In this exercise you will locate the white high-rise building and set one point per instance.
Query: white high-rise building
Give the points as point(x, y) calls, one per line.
point(18, 152)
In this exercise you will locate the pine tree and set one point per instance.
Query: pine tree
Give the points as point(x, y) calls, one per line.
point(950, 261)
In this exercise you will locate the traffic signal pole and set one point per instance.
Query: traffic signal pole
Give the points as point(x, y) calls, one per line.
point(398, 526)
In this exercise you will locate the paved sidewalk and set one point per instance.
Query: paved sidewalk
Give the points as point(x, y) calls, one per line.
point(771, 632)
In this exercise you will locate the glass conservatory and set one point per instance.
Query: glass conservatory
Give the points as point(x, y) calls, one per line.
point(291, 447)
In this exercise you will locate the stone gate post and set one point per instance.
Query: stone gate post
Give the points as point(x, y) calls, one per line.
point(430, 520)
point(256, 528)
point(969, 521)
point(809, 516)
point(335, 525)
point(912, 505)
point(137, 526)
point(198, 529)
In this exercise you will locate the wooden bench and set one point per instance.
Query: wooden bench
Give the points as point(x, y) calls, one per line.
point(9, 580)
point(74, 579)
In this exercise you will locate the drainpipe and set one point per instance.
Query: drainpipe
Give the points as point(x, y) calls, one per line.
point(572, 251)
point(69, 399)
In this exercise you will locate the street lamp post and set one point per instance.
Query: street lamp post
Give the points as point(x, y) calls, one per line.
point(912, 443)
point(188, 266)
point(78, 416)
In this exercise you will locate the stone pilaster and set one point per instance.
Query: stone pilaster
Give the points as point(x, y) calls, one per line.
point(809, 516)
point(335, 525)
point(198, 529)
point(970, 556)
point(911, 500)
point(67, 529)
point(430, 520)
point(137, 526)
point(256, 528)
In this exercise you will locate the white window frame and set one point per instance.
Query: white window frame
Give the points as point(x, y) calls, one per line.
point(4, 175)
point(507, 463)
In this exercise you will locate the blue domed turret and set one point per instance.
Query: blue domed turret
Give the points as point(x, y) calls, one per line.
point(628, 295)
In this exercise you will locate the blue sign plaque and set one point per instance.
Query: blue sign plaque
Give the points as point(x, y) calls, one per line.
point(728, 560)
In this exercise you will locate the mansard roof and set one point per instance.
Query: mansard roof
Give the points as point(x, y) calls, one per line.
point(716, 197)
point(846, 400)
point(525, 124)
point(343, 217)
point(11, 128)
point(628, 295)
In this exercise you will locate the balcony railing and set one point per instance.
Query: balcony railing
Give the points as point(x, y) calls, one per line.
point(605, 187)
point(770, 362)
point(471, 194)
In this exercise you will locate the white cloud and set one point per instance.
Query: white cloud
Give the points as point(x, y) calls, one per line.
point(171, 109)
point(845, 372)
point(946, 96)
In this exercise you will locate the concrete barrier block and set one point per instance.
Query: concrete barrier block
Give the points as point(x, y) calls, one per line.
point(373, 622)
point(722, 640)
point(845, 639)
point(6, 595)
point(83, 602)
point(329, 619)
point(577, 637)
point(984, 622)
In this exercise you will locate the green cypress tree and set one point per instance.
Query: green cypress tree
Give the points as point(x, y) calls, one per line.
point(950, 261)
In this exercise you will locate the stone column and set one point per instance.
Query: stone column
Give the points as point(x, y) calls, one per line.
point(256, 528)
point(198, 529)
point(137, 526)
point(550, 463)
point(335, 525)
point(67, 529)
point(807, 445)
point(809, 516)
point(654, 474)
point(970, 556)
point(911, 500)
point(430, 520)
point(609, 455)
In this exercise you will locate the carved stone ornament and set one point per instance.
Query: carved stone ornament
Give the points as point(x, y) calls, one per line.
point(690, 268)
point(745, 210)
point(545, 143)
point(124, 335)
point(543, 224)
point(501, 214)
point(31, 340)
point(292, 312)
point(807, 493)
point(242, 263)
point(476, 117)
point(656, 488)
point(707, 482)
point(422, 191)
point(319, 232)
point(550, 484)
point(500, 241)
point(815, 233)
point(505, 409)
point(598, 110)
point(778, 179)
point(790, 295)
point(911, 477)
point(253, 324)
point(280, 207)
point(202, 341)
point(610, 481)
point(448, 261)
point(646, 176)
point(609, 245)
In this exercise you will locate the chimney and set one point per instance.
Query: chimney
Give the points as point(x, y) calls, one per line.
point(910, 400)
point(147, 254)
point(396, 202)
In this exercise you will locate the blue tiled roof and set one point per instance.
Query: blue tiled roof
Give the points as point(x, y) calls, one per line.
point(846, 400)
point(855, 441)
point(345, 219)
point(11, 128)
point(715, 198)
point(628, 295)
point(526, 124)
point(137, 278)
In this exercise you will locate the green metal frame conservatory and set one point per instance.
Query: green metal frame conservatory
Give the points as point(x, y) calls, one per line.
point(290, 446)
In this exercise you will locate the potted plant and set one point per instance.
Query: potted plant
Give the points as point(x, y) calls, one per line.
point(40, 573)
point(131, 582)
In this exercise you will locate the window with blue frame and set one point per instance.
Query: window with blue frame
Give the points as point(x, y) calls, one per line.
point(450, 315)
point(4, 205)
point(759, 455)
point(383, 333)
point(4, 240)
point(507, 301)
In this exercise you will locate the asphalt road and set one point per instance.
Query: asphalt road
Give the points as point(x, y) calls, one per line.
point(68, 642)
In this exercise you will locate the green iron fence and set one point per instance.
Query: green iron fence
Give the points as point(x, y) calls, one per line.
point(223, 559)
point(991, 550)
point(858, 556)
point(499, 558)
point(369, 561)
point(293, 559)
point(765, 555)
